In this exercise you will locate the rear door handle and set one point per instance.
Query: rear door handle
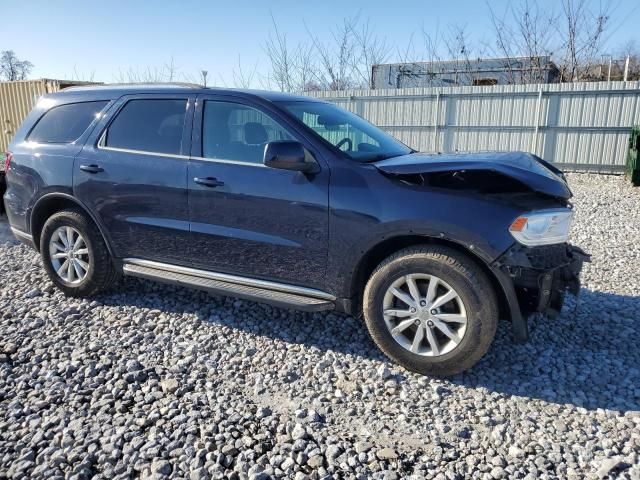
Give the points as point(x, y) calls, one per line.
point(208, 181)
point(91, 168)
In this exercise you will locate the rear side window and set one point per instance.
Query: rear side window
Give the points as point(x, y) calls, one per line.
point(65, 123)
point(154, 125)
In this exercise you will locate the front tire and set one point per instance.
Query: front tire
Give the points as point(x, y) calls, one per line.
point(75, 255)
point(431, 309)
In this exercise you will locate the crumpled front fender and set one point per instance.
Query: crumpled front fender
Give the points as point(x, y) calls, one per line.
point(538, 175)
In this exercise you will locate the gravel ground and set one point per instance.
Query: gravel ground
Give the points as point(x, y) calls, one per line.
point(5, 234)
point(158, 381)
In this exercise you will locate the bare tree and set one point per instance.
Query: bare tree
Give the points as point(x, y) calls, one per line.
point(283, 65)
point(576, 35)
point(12, 68)
point(288, 70)
point(370, 50)
point(168, 72)
point(341, 61)
point(534, 28)
point(432, 45)
point(582, 34)
point(243, 78)
point(336, 57)
point(410, 68)
point(346, 59)
point(524, 36)
point(444, 58)
point(137, 75)
point(416, 68)
point(80, 76)
point(525, 30)
point(460, 51)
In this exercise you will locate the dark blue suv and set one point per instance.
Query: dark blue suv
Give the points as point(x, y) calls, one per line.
point(295, 202)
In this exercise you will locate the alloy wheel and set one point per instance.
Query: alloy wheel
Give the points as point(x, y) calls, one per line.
point(69, 254)
point(424, 314)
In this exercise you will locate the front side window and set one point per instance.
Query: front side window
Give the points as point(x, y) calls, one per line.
point(66, 123)
point(154, 125)
point(232, 131)
point(351, 134)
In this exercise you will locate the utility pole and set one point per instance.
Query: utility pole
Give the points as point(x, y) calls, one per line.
point(626, 68)
point(204, 77)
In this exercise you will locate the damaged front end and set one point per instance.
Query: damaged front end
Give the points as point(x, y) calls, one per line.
point(540, 267)
point(540, 277)
point(491, 172)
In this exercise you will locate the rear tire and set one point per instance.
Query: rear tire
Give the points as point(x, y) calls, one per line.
point(83, 271)
point(440, 341)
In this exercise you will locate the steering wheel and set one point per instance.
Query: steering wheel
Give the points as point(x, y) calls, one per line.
point(345, 141)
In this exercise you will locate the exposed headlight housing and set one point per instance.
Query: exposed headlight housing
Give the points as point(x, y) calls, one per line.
point(543, 227)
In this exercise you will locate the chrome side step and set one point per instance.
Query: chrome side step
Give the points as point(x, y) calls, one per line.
point(282, 295)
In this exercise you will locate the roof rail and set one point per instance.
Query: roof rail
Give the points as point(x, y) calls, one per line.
point(138, 85)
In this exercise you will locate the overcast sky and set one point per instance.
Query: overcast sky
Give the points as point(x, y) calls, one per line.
point(98, 39)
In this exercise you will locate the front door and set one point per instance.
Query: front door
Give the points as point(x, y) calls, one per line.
point(132, 174)
point(248, 219)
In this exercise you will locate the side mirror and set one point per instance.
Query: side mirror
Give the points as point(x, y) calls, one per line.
point(288, 155)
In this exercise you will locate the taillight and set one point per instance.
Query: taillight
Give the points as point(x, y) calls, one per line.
point(7, 161)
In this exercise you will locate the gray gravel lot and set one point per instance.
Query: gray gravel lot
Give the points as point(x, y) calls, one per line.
point(161, 381)
point(5, 233)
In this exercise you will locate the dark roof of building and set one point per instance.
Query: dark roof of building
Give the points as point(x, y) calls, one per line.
point(500, 61)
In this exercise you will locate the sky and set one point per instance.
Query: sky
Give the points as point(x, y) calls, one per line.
point(101, 40)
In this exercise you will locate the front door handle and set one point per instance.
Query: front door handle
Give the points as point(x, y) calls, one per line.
point(91, 168)
point(208, 181)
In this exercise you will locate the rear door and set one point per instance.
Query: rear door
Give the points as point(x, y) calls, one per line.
point(132, 174)
point(246, 218)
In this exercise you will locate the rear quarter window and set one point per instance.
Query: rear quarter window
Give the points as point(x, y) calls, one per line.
point(65, 123)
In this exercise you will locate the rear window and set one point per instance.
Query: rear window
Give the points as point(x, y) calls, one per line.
point(65, 123)
point(148, 125)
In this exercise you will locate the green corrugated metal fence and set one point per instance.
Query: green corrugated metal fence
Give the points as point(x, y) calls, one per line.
point(633, 157)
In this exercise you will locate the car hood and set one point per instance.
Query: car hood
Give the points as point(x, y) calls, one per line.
point(532, 171)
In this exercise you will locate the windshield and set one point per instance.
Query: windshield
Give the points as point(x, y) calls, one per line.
point(352, 135)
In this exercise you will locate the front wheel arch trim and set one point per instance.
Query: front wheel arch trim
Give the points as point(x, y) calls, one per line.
point(499, 277)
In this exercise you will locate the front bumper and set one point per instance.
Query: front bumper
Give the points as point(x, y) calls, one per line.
point(542, 275)
point(538, 278)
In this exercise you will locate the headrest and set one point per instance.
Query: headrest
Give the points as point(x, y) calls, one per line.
point(255, 133)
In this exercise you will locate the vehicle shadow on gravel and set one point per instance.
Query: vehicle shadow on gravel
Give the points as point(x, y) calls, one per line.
point(321, 330)
point(5, 231)
point(588, 357)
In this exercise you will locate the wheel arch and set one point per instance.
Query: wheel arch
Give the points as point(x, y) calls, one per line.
point(51, 203)
point(383, 249)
